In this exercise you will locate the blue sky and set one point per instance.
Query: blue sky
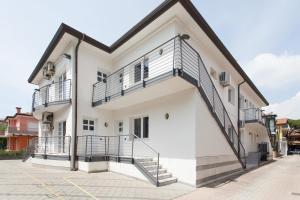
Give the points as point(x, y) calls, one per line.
point(262, 35)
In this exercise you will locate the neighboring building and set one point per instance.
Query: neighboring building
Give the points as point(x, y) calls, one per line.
point(282, 127)
point(161, 103)
point(270, 121)
point(293, 138)
point(2, 127)
point(20, 131)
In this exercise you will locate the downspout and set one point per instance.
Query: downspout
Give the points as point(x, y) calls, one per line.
point(238, 120)
point(74, 138)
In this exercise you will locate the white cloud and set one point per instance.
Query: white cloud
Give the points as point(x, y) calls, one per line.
point(274, 72)
point(288, 108)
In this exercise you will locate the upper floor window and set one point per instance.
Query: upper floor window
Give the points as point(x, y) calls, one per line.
point(101, 77)
point(242, 102)
point(231, 95)
point(213, 73)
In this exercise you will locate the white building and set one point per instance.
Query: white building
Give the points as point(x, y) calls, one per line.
point(169, 81)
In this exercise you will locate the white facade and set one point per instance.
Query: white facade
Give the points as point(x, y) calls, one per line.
point(181, 126)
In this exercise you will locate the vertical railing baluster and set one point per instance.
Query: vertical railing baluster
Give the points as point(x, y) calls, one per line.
point(119, 138)
point(132, 145)
point(45, 147)
point(174, 50)
point(157, 170)
point(69, 147)
point(91, 148)
point(181, 56)
point(86, 143)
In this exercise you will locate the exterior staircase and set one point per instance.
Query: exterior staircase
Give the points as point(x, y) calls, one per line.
point(151, 169)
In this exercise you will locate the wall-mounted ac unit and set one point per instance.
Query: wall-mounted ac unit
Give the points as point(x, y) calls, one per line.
point(224, 79)
point(47, 122)
point(48, 70)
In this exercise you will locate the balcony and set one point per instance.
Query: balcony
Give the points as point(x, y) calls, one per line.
point(17, 131)
point(165, 64)
point(53, 96)
point(253, 115)
point(253, 120)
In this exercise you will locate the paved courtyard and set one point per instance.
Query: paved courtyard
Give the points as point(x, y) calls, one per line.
point(278, 180)
point(22, 181)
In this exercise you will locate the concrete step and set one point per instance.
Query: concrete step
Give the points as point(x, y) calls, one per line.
point(152, 167)
point(148, 163)
point(167, 181)
point(160, 171)
point(163, 176)
point(144, 159)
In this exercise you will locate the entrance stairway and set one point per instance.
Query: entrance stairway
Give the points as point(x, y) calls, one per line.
point(151, 170)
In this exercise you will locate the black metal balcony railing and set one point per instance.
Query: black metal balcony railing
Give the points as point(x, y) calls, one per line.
point(17, 130)
point(173, 58)
point(93, 147)
point(52, 146)
point(253, 115)
point(55, 93)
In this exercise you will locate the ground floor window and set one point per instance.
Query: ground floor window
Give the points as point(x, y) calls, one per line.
point(88, 125)
point(141, 127)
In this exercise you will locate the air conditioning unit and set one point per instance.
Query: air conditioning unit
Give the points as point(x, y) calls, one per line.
point(224, 79)
point(48, 70)
point(47, 122)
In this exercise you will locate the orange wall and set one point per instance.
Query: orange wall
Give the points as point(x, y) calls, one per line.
point(18, 143)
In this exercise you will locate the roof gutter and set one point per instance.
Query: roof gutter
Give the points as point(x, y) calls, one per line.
point(75, 102)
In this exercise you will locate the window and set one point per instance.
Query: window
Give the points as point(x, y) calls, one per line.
point(137, 127)
point(120, 124)
point(145, 127)
point(88, 125)
point(101, 77)
point(231, 95)
point(137, 72)
point(213, 73)
point(141, 125)
point(146, 68)
point(242, 102)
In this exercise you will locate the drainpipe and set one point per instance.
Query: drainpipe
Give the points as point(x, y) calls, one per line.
point(238, 120)
point(74, 138)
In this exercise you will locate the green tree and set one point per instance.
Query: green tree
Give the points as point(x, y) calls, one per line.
point(3, 127)
point(294, 123)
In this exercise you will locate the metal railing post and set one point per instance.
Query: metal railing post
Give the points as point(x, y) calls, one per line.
point(119, 148)
point(45, 148)
point(91, 151)
point(181, 57)
point(132, 145)
point(69, 147)
point(157, 170)
point(86, 141)
point(174, 50)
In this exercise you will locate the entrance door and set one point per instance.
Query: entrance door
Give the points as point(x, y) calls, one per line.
point(61, 137)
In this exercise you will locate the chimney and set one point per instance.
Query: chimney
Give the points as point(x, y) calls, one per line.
point(18, 109)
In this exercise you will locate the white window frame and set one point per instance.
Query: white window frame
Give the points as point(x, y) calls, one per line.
point(231, 95)
point(142, 125)
point(88, 124)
